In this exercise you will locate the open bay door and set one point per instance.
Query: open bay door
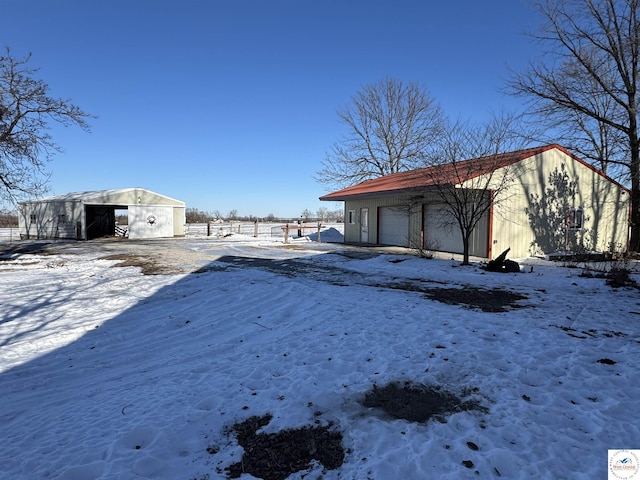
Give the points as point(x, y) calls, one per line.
point(393, 226)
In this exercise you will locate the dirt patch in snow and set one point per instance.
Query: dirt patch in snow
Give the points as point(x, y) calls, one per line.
point(275, 456)
point(148, 265)
point(494, 300)
point(418, 403)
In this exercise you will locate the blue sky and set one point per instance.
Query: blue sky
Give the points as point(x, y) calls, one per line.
point(231, 104)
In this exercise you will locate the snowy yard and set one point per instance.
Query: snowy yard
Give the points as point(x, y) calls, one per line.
point(109, 371)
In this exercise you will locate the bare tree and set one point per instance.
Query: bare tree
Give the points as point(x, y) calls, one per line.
point(587, 82)
point(322, 214)
point(470, 172)
point(26, 111)
point(232, 215)
point(306, 214)
point(390, 128)
point(8, 219)
point(194, 215)
point(592, 139)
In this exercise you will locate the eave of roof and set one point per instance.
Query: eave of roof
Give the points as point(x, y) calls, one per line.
point(423, 178)
point(445, 174)
point(81, 196)
point(95, 195)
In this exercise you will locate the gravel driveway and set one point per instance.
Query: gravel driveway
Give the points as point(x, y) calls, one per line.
point(168, 255)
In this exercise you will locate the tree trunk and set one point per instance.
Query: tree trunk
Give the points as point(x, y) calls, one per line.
point(465, 249)
point(634, 143)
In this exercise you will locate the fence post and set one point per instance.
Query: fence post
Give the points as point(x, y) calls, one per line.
point(239, 228)
point(255, 229)
point(286, 233)
point(319, 239)
point(208, 229)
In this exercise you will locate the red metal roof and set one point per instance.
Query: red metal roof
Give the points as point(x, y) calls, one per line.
point(445, 174)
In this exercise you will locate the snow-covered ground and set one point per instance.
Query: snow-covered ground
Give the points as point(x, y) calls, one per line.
point(107, 373)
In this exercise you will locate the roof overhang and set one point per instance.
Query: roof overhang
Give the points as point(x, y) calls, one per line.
point(337, 197)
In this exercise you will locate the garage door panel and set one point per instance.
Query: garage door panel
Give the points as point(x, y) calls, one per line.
point(441, 230)
point(442, 233)
point(393, 226)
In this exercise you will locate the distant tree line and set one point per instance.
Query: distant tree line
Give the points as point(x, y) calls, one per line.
point(195, 215)
point(8, 220)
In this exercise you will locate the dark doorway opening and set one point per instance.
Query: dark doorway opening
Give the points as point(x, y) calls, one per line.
point(101, 220)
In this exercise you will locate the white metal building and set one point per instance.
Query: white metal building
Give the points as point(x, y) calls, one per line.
point(535, 215)
point(89, 215)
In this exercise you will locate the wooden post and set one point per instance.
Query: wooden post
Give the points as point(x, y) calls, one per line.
point(208, 229)
point(319, 239)
point(255, 229)
point(286, 233)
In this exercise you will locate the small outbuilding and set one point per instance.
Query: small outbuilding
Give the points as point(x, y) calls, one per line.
point(554, 201)
point(89, 215)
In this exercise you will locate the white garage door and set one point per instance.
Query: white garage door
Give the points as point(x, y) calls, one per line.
point(393, 226)
point(442, 233)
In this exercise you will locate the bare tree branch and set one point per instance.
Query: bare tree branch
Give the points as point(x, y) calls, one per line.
point(585, 88)
point(390, 128)
point(26, 111)
point(469, 170)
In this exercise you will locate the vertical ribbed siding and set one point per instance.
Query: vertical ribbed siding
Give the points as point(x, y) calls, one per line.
point(605, 205)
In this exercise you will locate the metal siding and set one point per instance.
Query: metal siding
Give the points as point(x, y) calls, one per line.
point(605, 205)
point(47, 224)
point(73, 207)
point(150, 221)
point(130, 196)
point(179, 221)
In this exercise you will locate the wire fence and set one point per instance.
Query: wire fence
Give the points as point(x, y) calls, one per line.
point(255, 229)
point(9, 234)
point(221, 230)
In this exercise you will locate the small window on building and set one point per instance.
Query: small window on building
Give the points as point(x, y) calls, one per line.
point(351, 217)
point(575, 219)
point(61, 218)
point(32, 218)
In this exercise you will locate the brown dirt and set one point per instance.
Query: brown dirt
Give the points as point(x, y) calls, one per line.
point(417, 403)
point(148, 264)
point(275, 456)
point(494, 300)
